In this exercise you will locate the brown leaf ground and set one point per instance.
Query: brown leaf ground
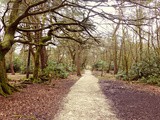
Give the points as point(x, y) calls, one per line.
point(36, 101)
point(131, 100)
point(131, 103)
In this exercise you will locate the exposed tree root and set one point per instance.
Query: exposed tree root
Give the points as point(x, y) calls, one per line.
point(6, 89)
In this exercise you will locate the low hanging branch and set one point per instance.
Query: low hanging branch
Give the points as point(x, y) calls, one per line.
point(49, 26)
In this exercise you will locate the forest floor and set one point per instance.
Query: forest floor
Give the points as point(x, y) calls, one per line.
point(110, 99)
point(131, 100)
point(85, 99)
point(36, 101)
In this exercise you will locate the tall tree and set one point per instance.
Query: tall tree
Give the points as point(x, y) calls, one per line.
point(13, 20)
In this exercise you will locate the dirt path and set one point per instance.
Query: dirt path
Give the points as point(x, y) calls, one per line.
point(86, 101)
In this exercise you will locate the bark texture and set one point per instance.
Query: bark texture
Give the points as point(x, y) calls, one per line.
point(4, 87)
point(6, 45)
point(43, 57)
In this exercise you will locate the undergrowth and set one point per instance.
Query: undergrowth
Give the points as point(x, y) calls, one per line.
point(146, 71)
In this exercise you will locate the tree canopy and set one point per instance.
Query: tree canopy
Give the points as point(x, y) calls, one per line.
point(112, 26)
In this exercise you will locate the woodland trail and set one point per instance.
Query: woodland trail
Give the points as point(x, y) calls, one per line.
point(93, 99)
point(86, 101)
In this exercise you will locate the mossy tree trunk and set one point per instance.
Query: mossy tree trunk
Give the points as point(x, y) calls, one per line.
point(28, 62)
point(5, 46)
point(11, 61)
point(36, 64)
point(4, 87)
point(39, 47)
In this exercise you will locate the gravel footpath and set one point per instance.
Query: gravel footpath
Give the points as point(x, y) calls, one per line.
point(86, 101)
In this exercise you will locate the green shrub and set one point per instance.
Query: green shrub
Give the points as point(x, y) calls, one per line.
point(147, 70)
point(152, 79)
point(54, 70)
point(100, 65)
point(122, 75)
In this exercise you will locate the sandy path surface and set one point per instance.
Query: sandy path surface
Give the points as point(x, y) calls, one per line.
point(86, 101)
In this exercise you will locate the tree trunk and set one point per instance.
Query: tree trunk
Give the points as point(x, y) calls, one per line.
point(11, 61)
point(109, 67)
point(12, 68)
point(114, 37)
point(28, 62)
point(43, 57)
point(141, 43)
point(115, 56)
point(78, 60)
point(4, 86)
point(74, 59)
point(36, 64)
point(5, 46)
point(84, 63)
